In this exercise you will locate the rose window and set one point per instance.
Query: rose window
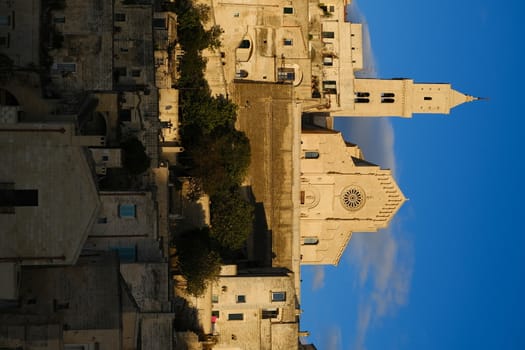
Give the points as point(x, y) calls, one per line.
point(353, 198)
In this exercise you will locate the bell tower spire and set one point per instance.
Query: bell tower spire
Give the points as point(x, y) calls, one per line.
point(401, 98)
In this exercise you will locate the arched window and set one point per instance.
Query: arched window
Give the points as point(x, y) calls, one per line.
point(311, 155)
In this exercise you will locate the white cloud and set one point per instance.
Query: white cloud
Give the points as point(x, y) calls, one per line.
point(333, 338)
point(385, 263)
point(318, 279)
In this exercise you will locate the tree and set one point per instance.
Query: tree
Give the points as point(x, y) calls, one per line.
point(231, 219)
point(221, 159)
point(136, 161)
point(198, 263)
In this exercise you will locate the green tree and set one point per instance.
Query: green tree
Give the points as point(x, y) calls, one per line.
point(231, 219)
point(221, 159)
point(198, 263)
point(136, 161)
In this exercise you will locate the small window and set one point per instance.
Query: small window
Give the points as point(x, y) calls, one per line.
point(5, 20)
point(124, 115)
point(269, 313)
point(120, 17)
point(67, 67)
point(362, 94)
point(105, 158)
point(235, 317)
point(311, 241)
point(387, 100)
point(127, 210)
point(278, 296)
point(287, 42)
point(288, 10)
point(241, 299)
point(215, 313)
point(311, 155)
point(245, 44)
point(331, 8)
point(328, 61)
point(59, 20)
point(159, 23)
point(286, 74)
point(121, 71)
point(361, 100)
point(328, 35)
point(4, 41)
point(330, 87)
point(102, 220)
point(214, 298)
point(428, 98)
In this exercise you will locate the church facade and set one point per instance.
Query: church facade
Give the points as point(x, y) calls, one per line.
point(341, 193)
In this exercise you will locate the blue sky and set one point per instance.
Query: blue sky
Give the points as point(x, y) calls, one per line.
point(449, 272)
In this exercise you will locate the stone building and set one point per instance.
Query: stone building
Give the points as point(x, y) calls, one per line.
point(341, 193)
point(313, 46)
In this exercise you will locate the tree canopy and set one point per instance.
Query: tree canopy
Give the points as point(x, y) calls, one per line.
point(231, 220)
point(198, 263)
point(136, 161)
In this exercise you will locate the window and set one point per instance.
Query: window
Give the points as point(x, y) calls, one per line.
point(330, 87)
point(159, 23)
point(328, 61)
point(120, 17)
point(362, 94)
point(105, 158)
point(67, 67)
point(287, 42)
point(135, 73)
point(235, 317)
point(126, 254)
point(428, 98)
point(18, 198)
point(5, 20)
point(278, 296)
point(215, 313)
point(59, 20)
point(361, 100)
point(328, 35)
point(127, 210)
point(241, 299)
point(387, 100)
point(269, 313)
point(311, 155)
point(285, 74)
point(388, 94)
point(124, 115)
point(121, 71)
point(214, 298)
point(245, 44)
point(4, 41)
point(102, 220)
point(288, 10)
point(310, 241)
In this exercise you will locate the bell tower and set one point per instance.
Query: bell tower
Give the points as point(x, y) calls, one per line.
point(401, 98)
